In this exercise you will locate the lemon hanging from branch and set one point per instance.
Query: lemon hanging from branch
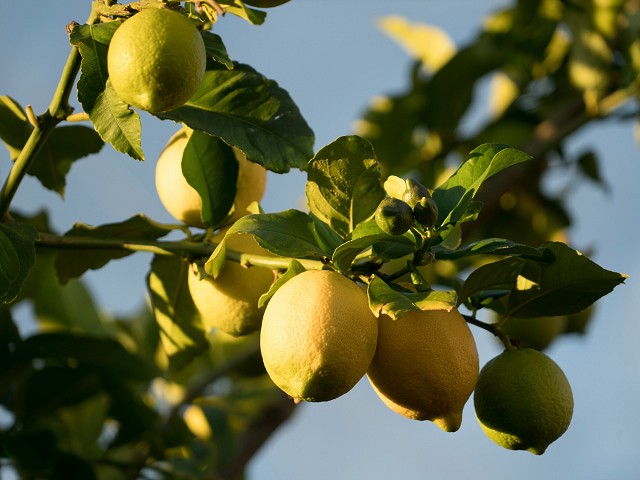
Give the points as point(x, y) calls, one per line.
point(156, 60)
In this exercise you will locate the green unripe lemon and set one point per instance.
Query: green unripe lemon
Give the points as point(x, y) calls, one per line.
point(156, 60)
point(414, 193)
point(426, 212)
point(523, 400)
point(394, 216)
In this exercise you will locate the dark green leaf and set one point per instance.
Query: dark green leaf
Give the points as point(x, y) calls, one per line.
point(181, 331)
point(344, 187)
point(589, 166)
point(104, 354)
point(366, 235)
point(17, 256)
point(64, 146)
point(54, 387)
point(71, 263)
point(455, 195)
point(248, 111)
point(216, 49)
point(116, 123)
point(489, 246)
point(34, 450)
point(568, 285)
point(210, 166)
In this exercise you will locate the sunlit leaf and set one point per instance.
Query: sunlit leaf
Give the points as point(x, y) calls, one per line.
point(250, 112)
point(182, 333)
point(344, 186)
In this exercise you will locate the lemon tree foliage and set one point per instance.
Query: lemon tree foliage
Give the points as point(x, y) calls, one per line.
point(415, 231)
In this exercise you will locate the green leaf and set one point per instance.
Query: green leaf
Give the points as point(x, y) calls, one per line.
point(255, 17)
point(70, 307)
point(71, 262)
point(93, 44)
point(386, 300)
point(454, 196)
point(210, 166)
point(568, 285)
point(116, 123)
point(17, 256)
point(14, 127)
point(103, 354)
point(290, 233)
point(294, 269)
point(490, 246)
point(64, 146)
point(216, 49)
point(181, 331)
point(248, 111)
point(527, 289)
point(343, 186)
point(368, 234)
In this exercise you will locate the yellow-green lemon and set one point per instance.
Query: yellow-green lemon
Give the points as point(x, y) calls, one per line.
point(183, 202)
point(230, 302)
point(523, 400)
point(318, 336)
point(156, 60)
point(426, 365)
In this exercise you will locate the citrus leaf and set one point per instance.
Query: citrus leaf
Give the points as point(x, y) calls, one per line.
point(490, 246)
point(182, 333)
point(568, 285)
point(17, 256)
point(288, 234)
point(210, 166)
point(216, 49)
point(72, 262)
point(254, 17)
point(14, 128)
point(386, 300)
point(103, 354)
point(64, 145)
point(250, 112)
point(294, 269)
point(92, 42)
point(116, 123)
point(454, 196)
point(343, 186)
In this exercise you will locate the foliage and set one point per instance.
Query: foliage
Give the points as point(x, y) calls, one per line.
point(93, 396)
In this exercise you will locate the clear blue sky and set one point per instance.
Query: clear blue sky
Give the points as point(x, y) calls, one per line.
point(332, 59)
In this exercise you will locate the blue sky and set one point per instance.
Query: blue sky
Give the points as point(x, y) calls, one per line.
point(332, 59)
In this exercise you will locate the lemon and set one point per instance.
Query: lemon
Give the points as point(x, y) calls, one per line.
point(156, 60)
point(230, 302)
point(523, 400)
point(426, 365)
point(318, 336)
point(183, 202)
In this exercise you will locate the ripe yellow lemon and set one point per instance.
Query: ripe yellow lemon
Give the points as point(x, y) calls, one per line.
point(523, 400)
point(156, 60)
point(426, 365)
point(230, 302)
point(318, 336)
point(183, 202)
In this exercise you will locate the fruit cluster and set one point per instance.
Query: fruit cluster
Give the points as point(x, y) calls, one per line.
point(319, 336)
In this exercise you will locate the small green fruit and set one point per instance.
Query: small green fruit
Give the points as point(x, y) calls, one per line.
point(426, 212)
point(394, 216)
point(414, 193)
